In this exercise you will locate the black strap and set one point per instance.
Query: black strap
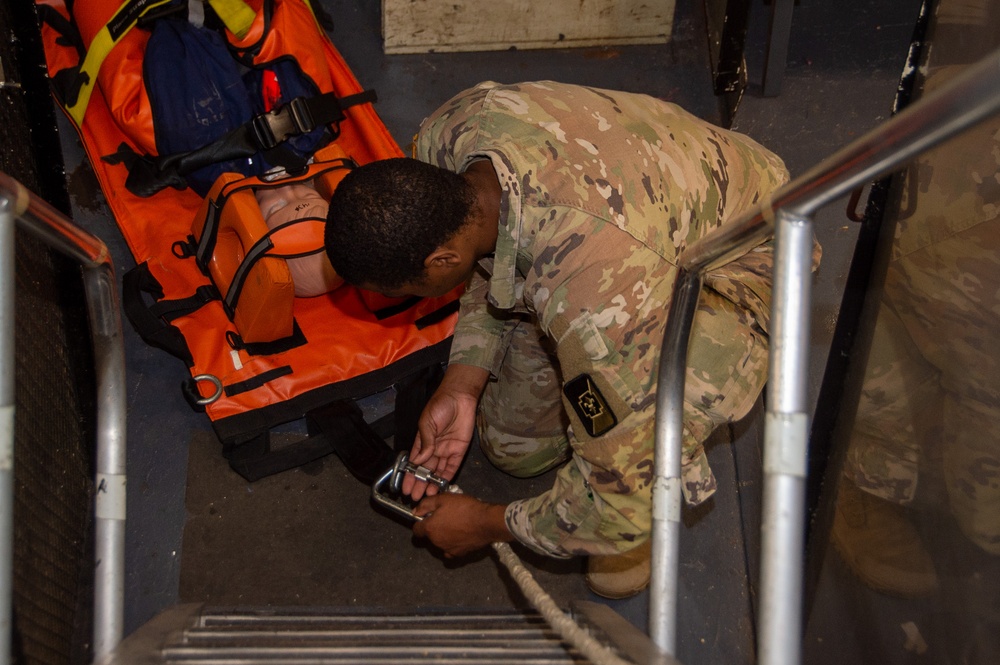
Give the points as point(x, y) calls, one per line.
point(168, 310)
point(66, 83)
point(412, 394)
point(69, 33)
point(253, 255)
point(365, 454)
point(245, 55)
point(257, 381)
point(339, 427)
point(265, 132)
point(189, 386)
point(296, 339)
point(438, 315)
point(254, 459)
point(152, 328)
point(383, 313)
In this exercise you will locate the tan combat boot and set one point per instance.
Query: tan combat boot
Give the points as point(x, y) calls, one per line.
point(619, 576)
point(880, 545)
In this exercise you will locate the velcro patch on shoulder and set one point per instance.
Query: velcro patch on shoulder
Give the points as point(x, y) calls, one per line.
point(590, 405)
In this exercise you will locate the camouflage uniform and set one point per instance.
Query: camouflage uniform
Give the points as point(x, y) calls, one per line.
point(931, 396)
point(602, 191)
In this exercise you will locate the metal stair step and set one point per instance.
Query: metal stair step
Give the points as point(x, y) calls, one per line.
point(192, 634)
point(220, 637)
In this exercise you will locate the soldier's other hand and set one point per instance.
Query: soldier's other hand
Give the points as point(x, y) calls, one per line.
point(459, 524)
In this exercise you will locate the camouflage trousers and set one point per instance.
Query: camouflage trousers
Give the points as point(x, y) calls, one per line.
point(522, 419)
point(930, 403)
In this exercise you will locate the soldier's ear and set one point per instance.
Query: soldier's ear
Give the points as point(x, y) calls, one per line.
point(442, 257)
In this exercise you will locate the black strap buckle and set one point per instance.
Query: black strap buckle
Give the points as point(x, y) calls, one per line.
point(275, 126)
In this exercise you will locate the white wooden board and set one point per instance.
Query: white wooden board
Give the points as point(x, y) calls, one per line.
point(422, 26)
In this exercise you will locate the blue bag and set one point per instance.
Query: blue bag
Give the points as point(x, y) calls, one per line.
point(199, 93)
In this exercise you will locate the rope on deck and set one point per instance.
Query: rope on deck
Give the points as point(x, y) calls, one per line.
point(561, 622)
point(570, 631)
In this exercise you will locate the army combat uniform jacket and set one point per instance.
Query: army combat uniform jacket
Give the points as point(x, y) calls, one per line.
point(602, 191)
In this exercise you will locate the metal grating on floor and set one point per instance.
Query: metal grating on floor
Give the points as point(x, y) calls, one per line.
point(191, 634)
point(428, 637)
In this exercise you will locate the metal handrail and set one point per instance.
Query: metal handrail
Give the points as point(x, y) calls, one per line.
point(970, 98)
point(35, 216)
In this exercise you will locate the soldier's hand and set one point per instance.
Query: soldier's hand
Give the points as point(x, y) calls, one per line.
point(445, 427)
point(443, 435)
point(459, 524)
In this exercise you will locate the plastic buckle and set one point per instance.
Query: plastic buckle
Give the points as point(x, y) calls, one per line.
point(275, 126)
point(392, 481)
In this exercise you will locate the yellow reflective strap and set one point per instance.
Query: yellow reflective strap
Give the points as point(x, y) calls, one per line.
point(236, 14)
point(103, 42)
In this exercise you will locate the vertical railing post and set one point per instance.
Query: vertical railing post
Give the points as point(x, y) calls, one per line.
point(109, 502)
point(786, 432)
point(40, 219)
point(665, 562)
point(6, 426)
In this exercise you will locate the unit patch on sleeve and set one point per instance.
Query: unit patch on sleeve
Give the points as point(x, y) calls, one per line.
point(590, 405)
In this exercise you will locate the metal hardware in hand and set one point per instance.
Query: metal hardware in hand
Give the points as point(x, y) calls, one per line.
point(392, 480)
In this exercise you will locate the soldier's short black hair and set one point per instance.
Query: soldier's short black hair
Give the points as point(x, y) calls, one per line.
point(387, 216)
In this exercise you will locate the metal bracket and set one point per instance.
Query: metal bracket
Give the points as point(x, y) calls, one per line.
point(4, 83)
point(392, 482)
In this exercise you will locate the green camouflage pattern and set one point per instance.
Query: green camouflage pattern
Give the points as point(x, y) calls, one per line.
point(602, 191)
point(521, 423)
point(930, 403)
